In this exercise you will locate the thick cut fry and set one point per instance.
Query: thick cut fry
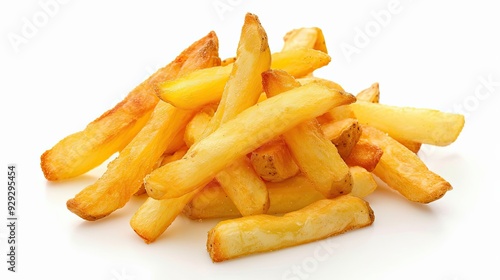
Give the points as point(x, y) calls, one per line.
point(155, 216)
point(112, 131)
point(316, 156)
point(241, 135)
point(364, 154)
point(206, 86)
point(344, 134)
point(124, 175)
point(420, 125)
point(371, 94)
point(286, 196)
point(403, 170)
point(273, 161)
point(262, 233)
point(307, 37)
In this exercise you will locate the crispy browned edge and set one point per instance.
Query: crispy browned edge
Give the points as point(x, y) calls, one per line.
point(142, 98)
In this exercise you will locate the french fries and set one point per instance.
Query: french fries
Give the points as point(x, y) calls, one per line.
point(403, 171)
point(281, 156)
point(113, 130)
point(289, 195)
point(261, 233)
point(205, 86)
point(316, 156)
point(124, 174)
point(239, 136)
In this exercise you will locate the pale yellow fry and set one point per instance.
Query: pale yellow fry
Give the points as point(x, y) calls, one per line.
point(306, 37)
point(113, 130)
point(403, 170)
point(420, 125)
point(363, 182)
point(239, 136)
point(262, 233)
point(316, 156)
point(285, 196)
point(206, 86)
point(371, 94)
point(155, 216)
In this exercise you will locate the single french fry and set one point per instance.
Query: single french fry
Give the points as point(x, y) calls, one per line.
point(326, 82)
point(206, 86)
point(306, 37)
point(364, 154)
point(273, 161)
point(124, 175)
point(154, 216)
point(371, 94)
point(113, 130)
point(344, 134)
point(241, 135)
point(316, 156)
point(403, 170)
point(262, 233)
point(420, 125)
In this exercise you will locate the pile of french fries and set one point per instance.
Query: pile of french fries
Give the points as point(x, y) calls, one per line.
point(281, 156)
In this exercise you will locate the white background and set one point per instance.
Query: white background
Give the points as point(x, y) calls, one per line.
point(82, 57)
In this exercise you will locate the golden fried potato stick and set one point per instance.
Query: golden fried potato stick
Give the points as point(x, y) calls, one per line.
point(124, 175)
point(285, 196)
point(420, 125)
point(316, 156)
point(306, 37)
point(262, 233)
point(241, 135)
point(364, 154)
point(206, 86)
point(343, 133)
point(112, 131)
point(403, 170)
point(273, 161)
point(371, 94)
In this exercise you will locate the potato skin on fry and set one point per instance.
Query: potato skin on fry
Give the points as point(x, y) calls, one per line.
point(262, 233)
